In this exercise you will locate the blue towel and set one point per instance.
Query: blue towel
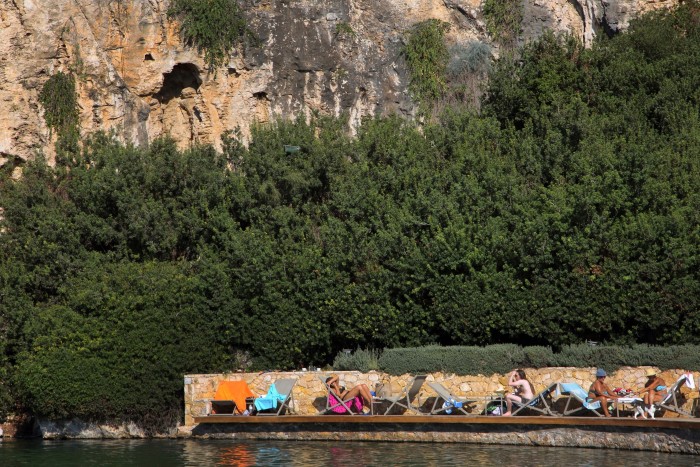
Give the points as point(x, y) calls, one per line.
point(269, 401)
point(580, 394)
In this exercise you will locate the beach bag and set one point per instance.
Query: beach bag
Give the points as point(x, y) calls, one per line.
point(493, 408)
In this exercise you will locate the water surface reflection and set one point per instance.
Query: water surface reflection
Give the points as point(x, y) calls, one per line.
point(318, 453)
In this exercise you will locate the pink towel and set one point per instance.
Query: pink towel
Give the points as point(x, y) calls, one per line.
point(355, 404)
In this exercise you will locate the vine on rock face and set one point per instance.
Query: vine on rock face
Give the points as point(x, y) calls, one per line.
point(212, 26)
point(503, 20)
point(60, 102)
point(427, 57)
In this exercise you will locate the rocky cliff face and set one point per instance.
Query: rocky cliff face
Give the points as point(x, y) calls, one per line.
point(135, 77)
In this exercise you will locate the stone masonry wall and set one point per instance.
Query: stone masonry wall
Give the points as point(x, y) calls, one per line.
point(309, 393)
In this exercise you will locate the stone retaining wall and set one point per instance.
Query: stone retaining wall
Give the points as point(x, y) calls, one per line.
point(309, 392)
point(685, 441)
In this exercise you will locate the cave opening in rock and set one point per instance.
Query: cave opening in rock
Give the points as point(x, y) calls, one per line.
point(183, 75)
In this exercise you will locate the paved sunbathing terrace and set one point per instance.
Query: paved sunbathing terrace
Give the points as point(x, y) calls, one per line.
point(662, 434)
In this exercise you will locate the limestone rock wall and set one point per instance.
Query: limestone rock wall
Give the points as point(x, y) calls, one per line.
point(136, 79)
point(309, 392)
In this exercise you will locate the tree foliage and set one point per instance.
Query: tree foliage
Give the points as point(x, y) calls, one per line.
point(568, 210)
point(503, 20)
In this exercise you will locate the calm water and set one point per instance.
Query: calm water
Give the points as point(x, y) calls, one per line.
point(320, 453)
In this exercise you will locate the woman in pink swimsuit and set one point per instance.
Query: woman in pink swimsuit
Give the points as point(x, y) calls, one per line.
point(354, 398)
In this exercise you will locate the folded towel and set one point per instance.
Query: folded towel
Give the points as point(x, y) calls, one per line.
point(269, 401)
point(689, 381)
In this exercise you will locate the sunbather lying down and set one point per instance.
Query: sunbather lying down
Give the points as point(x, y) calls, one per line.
point(359, 393)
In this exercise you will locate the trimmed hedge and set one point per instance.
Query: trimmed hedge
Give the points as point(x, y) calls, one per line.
point(361, 360)
point(502, 358)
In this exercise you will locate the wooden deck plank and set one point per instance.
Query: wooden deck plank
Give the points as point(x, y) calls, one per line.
point(677, 423)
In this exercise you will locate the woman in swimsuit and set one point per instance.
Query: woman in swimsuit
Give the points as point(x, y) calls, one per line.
point(654, 389)
point(359, 395)
point(599, 391)
point(523, 390)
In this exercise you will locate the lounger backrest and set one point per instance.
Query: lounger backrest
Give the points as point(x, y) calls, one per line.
point(575, 390)
point(415, 386)
point(673, 389)
point(441, 391)
point(285, 386)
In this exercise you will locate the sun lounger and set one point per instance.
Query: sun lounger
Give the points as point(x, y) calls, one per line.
point(446, 402)
point(406, 398)
point(279, 399)
point(577, 399)
point(336, 406)
point(673, 400)
point(230, 398)
point(541, 403)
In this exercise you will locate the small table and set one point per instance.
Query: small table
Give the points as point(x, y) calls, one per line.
point(633, 401)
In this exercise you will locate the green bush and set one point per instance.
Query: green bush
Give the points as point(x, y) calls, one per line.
point(359, 360)
point(503, 20)
point(213, 26)
point(504, 358)
point(612, 357)
point(462, 360)
point(565, 211)
point(119, 347)
point(538, 357)
point(60, 103)
point(427, 58)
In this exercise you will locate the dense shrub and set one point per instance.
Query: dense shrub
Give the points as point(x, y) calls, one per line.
point(503, 20)
point(60, 102)
point(212, 26)
point(567, 210)
point(471, 360)
point(612, 357)
point(360, 360)
point(506, 357)
point(119, 346)
point(427, 58)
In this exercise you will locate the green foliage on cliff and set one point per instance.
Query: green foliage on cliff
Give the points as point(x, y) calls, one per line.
point(214, 27)
point(427, 57)
point(569, 209)
point(503, 20)
point(60, 102)
point(59, 99)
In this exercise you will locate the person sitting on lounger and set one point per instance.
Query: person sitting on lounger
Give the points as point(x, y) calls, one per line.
point(600, 391)
point(358, 396)
point(523, 390)
point(654, 389)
